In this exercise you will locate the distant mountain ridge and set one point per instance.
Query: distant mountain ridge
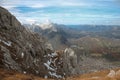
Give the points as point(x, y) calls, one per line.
point(52, 32)
point(92, 44)
point(60, 35)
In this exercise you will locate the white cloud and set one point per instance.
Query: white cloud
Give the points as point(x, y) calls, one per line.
point(29, 3)
point(65, 16)
point(57, 3)
point(75, 4)
point(40, 16)
point(40, 4)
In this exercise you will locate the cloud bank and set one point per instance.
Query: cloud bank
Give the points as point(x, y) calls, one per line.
point(65, 11)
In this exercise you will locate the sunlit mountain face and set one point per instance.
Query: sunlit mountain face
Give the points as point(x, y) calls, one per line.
point(60, 39)
point(95, 12)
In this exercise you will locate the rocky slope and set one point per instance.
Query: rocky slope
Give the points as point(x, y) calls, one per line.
point(25, 51)
point(20, 50)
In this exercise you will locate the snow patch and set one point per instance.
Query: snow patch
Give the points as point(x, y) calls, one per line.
point(46, 25)
point(8, 43)
point(46, 77)
point(37, 72)
point(51, 65)
point(22, 54)
point(24, 72)
point(52, 54)
point(48, 66)
point(55, 75)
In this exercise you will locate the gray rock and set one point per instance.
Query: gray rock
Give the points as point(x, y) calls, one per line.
point(27, 49)
point(8, 61)
point(70, 62)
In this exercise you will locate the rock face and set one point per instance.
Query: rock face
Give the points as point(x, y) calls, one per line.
point(21, 50)
point(70, 62)
point(111, 74)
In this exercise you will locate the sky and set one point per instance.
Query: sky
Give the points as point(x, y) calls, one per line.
point(70, 12)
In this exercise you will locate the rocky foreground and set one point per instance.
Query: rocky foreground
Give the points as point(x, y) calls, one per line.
point(25, 55)
point(113, 74)
point(100, 75)
point(12, 75)
point(29, 53)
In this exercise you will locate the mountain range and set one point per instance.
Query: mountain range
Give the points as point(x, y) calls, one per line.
point(50, 50)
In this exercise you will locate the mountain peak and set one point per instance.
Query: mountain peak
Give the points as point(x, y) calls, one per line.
point(47, 25)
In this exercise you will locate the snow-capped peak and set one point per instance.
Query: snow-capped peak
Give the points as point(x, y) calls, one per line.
point(48, 24)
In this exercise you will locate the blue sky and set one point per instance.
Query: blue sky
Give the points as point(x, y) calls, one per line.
point(105, 12)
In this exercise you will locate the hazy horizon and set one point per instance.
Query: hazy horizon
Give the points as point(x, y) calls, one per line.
point(69, 12)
